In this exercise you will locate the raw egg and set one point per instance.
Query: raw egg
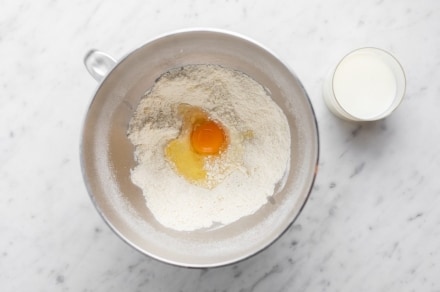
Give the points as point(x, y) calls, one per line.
point(201, 140)
point(207, 137)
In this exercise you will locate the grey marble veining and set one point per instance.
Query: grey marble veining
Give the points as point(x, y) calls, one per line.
point(372, 222)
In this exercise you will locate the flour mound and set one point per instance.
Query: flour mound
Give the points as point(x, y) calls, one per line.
point(259, 158)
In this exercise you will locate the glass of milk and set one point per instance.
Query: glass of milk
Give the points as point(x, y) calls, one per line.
point(368, 84)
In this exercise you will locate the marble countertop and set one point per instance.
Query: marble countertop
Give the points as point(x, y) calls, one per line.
point(372, 222)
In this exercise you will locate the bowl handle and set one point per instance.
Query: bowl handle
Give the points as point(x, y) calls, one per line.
point(98, 64)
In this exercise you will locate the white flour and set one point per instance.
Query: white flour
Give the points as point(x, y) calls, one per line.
point(242, 106)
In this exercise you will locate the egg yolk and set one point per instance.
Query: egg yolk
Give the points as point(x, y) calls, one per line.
point(207, 138)
point(200, 138)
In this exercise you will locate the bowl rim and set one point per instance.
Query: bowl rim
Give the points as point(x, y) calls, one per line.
point(178, 263)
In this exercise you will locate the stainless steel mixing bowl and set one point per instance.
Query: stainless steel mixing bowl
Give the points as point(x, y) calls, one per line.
point(107, 154)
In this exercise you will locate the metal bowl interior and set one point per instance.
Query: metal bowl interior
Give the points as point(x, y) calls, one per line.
point(107, 154)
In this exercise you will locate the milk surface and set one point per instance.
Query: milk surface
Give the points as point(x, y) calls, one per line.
point(364, 85)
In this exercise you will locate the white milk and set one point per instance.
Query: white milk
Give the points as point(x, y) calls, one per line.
point(367, 84)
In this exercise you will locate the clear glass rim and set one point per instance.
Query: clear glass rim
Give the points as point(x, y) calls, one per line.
point(397, 99)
